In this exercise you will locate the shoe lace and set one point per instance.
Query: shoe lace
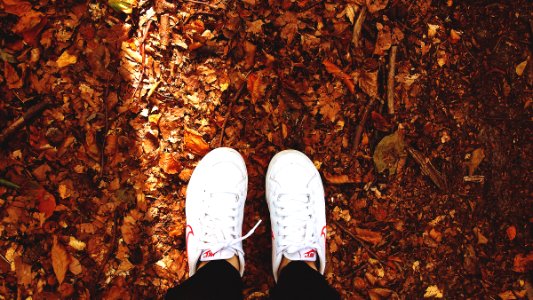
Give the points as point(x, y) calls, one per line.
point(295, 222)
point(220, 223)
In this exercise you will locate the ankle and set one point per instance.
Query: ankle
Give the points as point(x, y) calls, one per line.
point(285, 261)
point(233, 261)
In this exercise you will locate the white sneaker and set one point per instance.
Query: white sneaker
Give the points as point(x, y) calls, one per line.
point(214, 208)
point(295, 198)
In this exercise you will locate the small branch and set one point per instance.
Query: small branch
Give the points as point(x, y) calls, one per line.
point(361, 125)
point(360, 241)
point(202, 3)
point(106, 130)
point(32, 112)
point(428, 169)
point(390, 81)
point(145, 34)
point(112, 248)
point(228, 113)
point(356, 36)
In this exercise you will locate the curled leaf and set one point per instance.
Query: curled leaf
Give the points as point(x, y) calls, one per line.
point(337, 72)
point(195, 143)
point(368, 235)
point(389, 151)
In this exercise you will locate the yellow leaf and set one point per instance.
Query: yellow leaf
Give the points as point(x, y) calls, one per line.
point(60, 260)
point(66, 59)
point(75, 266)
point(521, 67)
point(432, 30)
point(76, 244)
point(433, 292)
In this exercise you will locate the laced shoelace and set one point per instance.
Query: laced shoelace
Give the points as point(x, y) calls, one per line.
point(220, 224)
point(295, 225)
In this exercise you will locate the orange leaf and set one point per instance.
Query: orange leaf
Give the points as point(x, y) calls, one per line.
point(169, 164)
point(47, 202)
point(195, 143)
point(368, 235)
point(256, 86)
point(60, 260)
point(337, 72)
point(340, 179)
point(511, 232)
point(523, 263)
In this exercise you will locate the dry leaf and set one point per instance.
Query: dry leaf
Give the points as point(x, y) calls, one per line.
point(481, 239)
point(368, 235)
point(455, 36)
point(379, 293)
point(368, 82)
point(47, 201)
point(23, 271)
point(195, 143)
point(511, 232)
point(76, 244)
point(477, 157)
point(14, 81)
point(384, 40)
point(432, 30)
point(507, 295)
point(337, 72)
point(75, 266)
point(433, 292)
point(523, 263)
point(256, 86)
point(389, 151)
point(66, 59)
point(340, 179)
point(376, 5)
point(521, 67)
point(249, 58)
point(169, 164)
point(60, 260)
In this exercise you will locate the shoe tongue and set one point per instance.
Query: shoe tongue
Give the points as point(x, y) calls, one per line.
point(305, 254)
point(208, 255)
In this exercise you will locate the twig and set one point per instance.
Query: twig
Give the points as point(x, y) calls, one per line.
point(228, 113)
point(32, 111)
point(360, 241)
point(5, 259)
point(428, 169)
point(202, 3)
point(356, 36)
point(361, 125)
point(9, 183)
point(390, 81)
point(106, 130)
point(145, 34)
point(113, 246)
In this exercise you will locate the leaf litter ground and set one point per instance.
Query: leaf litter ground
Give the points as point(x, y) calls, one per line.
point(106, 109)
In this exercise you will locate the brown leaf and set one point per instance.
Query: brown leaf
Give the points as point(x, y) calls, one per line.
point(376, 5)
point(75, 266)
point(195, 143)
point(379, 293)
point(384, 40)
point(368, 82)
point(340, 179)
point(16, 7)
point(477, 157)
point(60, 260)
point(12, 77)
point(249, 58)
point(169, 164)
point(368, 235)
point(521, 67)
point(380, 123)
point(337, 72)
point(46, 201)
point(507, 295)
point(523, 263)
point(23, 271)
point(256, 86)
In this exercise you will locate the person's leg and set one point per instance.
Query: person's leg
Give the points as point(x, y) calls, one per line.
point(216, 280)
point(214, 208)
point(295, 197)
point(298, 280)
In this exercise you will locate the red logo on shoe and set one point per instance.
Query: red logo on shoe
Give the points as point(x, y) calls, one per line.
point(310, 253)
point(323, 232)
point(190, 231)
point(208, 253)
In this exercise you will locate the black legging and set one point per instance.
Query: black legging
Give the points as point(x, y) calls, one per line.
point(219, 280)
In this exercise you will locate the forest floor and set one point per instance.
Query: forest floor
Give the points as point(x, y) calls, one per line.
point(105, 111)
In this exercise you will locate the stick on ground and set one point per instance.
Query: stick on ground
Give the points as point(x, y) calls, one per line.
point(428, 169)
point(361, 125)
point(32, 112)
point(390, 81)
point(228, 113)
